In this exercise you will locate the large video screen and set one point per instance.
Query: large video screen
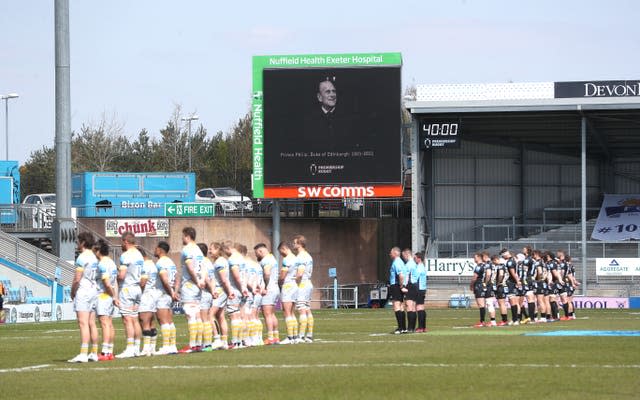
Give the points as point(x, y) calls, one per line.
point(328, 126)
point(332, 126)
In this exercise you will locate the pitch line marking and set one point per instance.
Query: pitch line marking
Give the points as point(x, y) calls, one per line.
point(45, 367)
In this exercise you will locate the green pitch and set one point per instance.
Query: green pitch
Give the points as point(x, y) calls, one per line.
point(354, 357)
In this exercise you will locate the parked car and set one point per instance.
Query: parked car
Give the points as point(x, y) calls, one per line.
point(225, 198)
point(39, 209)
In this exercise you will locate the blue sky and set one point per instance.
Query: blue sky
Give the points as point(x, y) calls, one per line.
point(136, 59)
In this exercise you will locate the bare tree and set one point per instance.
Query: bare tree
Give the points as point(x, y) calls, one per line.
point(99, 144)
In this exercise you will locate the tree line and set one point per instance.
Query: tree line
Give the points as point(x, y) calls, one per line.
point(221, 159)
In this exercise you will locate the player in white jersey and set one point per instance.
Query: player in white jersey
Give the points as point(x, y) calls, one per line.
point(255, 284)
point(289, 292)
point(84, 293)
point(191, 285)
point(223, 291)
point(270, 292)
point(107, 297)
point(304, 270)
point(166, 282)
point(206, 301)
point(148, 299)
point(238, 291)
point(129, 278)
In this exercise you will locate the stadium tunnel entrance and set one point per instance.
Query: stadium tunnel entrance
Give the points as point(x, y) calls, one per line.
point(493, 164)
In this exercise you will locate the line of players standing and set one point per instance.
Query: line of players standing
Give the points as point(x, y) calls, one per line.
point(215, 281)
point(544, 280)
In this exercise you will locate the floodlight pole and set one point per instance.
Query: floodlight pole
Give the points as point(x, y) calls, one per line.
point(583, 195)
point(275, 234)
point(64, 230)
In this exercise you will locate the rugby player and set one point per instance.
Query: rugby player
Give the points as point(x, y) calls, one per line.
point(397, 289)
point(107, 297)
point(166, 282)
point(555, 284)
point(289, 292)
point(479, 288)
point(499, 281)
point(570, 285)
point(255, 283)
point(421, 273)
point(206, 301)
point(540, 285)
point(130, 275)
point(514, 286)
point(411, 283)
point(489, 280)
point(271, 291)
point(148, 300)
point(191, 285)
point(238, 292)
point(84, 293)
point(530, 285)
point(224, 291)
point(304, 270)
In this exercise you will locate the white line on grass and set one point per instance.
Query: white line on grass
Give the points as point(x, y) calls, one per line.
point(44, 367)
point(23, 369)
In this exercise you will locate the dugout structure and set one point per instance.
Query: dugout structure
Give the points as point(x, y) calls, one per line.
point(496, 162)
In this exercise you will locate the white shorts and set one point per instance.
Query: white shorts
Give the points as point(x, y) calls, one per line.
point(130, 300)
point(105, 305)
point(86, 300)
point(190, 293)
point(206, 300)
point(221, 300)
point(233, 305)
point(272, 297)
point(149, 299)
point(304, 295)
point(164, 302)
point(257, 301)
point(289, 292)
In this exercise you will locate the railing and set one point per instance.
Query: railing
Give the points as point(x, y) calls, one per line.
point(27, 217)
point(347, 296)
point(34, 259)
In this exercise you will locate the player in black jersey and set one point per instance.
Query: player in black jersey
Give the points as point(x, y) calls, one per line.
point(478, 287)
point(540, 284)
point(490, 294)
point(553, 289)
point(514, 285)
point(570, 286)
point(529, 285)
point(499, 281)
point(562, 289)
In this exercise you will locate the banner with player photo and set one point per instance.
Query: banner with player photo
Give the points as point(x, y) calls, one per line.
point(619, 218)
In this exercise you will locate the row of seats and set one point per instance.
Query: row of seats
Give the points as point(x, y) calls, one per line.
point(17, 294)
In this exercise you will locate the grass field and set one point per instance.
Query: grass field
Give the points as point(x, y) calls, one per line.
point(354, 357)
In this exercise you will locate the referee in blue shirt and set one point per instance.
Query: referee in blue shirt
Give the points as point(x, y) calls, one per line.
point(397, 288)
point(421, 272)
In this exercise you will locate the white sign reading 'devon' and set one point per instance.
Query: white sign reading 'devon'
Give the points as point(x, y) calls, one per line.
point(449, 266)
point(618, 266)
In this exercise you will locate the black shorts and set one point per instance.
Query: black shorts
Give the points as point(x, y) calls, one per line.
point(541, 288)
point(420, 298)
point(395, 293)
point(569, 290)
point(412, 293)
point(489, 292)
point(479, 291)
point(502, 292)
point(514, 290)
